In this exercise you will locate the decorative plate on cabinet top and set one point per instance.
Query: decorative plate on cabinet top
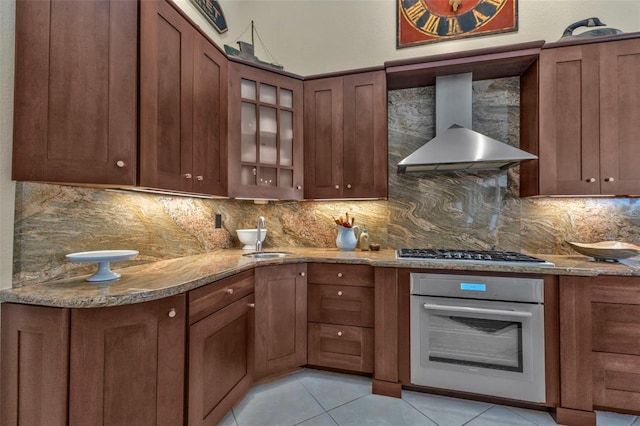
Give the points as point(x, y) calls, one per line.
point(606, 250)
point(102, 258)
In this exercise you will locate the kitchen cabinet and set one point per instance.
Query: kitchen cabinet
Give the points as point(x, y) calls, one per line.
point(75, 106)
point(600, 353)
point(221, 340)
point(127, 364)
point(585, 97)
point(345, 124)
point(281, 318)
point(265, 134)
point(183, 98)
point(341, 316)
point(35, 365)
point(115, 365)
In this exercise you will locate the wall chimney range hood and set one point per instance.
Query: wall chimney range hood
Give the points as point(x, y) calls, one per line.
point(456, 147)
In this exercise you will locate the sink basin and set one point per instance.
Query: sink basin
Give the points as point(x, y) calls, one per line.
point(267, 254)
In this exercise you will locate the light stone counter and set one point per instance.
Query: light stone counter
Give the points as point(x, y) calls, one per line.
point(166, 278)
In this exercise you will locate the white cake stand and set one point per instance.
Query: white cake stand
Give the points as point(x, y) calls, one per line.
point(102, 258)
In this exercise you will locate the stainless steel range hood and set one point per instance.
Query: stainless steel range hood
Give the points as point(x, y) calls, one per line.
point(457, 147)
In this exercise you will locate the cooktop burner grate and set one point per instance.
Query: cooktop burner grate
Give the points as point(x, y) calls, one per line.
point(472, 256)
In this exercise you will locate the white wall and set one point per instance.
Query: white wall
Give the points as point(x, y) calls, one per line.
point(7, 187)
point(317, 36)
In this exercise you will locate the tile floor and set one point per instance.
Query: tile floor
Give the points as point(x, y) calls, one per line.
point(318, 398)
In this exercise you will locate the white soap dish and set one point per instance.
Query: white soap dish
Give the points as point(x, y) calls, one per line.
point(103, 259)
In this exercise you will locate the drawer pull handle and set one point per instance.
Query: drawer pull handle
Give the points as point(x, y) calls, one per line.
point(339, 274)
point(172, 313)
point(229, 291)
point(339, 333)
point(251, 305)
point(302, 274)
point(339, 292)
point(199, 178)
point(187, 176)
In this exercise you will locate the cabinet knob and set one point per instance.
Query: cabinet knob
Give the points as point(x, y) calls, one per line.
point(120, 163)
point(199, 178)
point(299, 187)
point(251, 305)
point(172, 313)
point(302, 274)
point(337, 186)
point(229, 291)
point(339, 292)
point(339, 333)
point(339, 274)
point(591, 180)
point(187, 175)
point(609, 179)
point(348, 186)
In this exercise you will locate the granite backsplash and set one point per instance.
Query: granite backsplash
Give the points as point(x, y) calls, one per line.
point(456, 210)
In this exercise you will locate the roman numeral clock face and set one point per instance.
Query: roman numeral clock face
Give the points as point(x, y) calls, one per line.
point(426, 21)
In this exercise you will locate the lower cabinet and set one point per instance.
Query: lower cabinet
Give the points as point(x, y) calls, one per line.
point(281, 318)
point(127, 364)
point(599, 346)
point(341, 317)
point(35, 365)
point(221, 336)
point(120, 365)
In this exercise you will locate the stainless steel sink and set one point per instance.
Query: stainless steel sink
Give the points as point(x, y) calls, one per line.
point(267, 254)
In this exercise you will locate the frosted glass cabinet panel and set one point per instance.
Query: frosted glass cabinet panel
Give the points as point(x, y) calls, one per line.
point(265, 134)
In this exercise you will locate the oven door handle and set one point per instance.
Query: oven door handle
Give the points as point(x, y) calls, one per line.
point(470, 310)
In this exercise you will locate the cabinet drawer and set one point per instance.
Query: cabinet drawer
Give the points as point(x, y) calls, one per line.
point(337, 304)
point(355, 275)
point(616, 381)
point(616, 328)
point(215, 296)
point(342, 347)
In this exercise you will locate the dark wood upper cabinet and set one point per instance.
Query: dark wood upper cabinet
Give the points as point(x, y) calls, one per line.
point(265, 134)
point(75, 107)
point(183, 97)
point(346, 136)
point(586, 98)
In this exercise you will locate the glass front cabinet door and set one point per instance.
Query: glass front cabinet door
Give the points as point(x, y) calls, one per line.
point(265, 134)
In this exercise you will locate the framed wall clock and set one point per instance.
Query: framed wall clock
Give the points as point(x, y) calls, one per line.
point(427, 21)
point(212, 10)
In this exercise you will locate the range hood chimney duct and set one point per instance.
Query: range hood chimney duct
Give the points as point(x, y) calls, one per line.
point(456, 147)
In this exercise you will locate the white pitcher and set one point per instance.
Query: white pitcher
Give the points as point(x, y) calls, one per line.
point(347, 238)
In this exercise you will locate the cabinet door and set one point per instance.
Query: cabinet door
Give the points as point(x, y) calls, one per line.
point(76, 92)
point(620, 117)
point(323, 133)
point(265, 134)
point(220, 361)
point(127, 364)
point(166, 97)
point(209, 118)
point(569, 121)
point(365, 135)
point(281, 318)
point(35, 365)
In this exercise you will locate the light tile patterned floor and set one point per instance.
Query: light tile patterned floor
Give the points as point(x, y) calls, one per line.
point(321, 398)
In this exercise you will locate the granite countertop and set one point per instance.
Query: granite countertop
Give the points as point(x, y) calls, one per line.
point(169, 277)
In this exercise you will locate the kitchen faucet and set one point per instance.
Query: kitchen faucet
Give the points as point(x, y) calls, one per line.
point(262, 223)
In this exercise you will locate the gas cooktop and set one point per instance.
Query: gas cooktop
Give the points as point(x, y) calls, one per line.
point(485, 257)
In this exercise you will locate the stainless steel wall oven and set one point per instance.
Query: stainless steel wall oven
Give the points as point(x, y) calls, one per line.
point(479, 334)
